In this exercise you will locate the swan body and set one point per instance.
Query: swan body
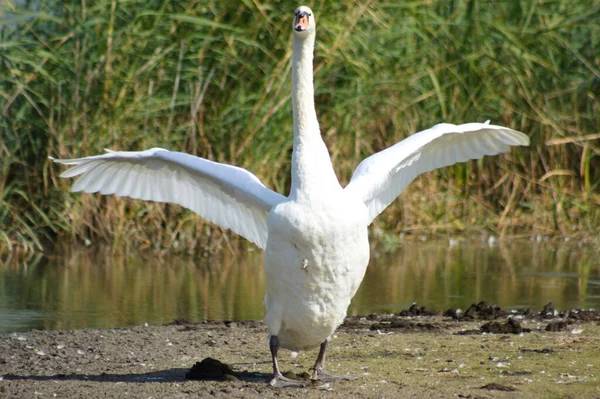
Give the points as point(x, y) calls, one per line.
point(315, 259)
point(316, 239)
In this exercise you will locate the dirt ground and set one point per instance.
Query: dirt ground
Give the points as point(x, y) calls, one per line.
point(480, 353)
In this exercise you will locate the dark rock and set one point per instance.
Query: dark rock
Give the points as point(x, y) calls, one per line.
point(483, 311)
point(469, 332)
point(528, 312)
point(548, 311)
point(453, 313)
point(210, 369)
point(512, 326)
point(516, 373)
point(498, 387)
point(416, 310)
point(543, 351)
point(584, 315)
point(395, 323)
point(556, 325)
point(470, 313)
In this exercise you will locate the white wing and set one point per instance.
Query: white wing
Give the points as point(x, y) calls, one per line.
point(225, 195)
point(382, 177)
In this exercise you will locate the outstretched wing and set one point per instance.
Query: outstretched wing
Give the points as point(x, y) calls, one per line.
point(381, 178)
point(225, 195)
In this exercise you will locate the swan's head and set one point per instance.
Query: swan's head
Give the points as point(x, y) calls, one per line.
point(304, 21)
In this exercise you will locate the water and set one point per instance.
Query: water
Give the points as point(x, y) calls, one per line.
point(96, 289)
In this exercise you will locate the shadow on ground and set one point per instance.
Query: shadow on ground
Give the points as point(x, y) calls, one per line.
point(169, 375)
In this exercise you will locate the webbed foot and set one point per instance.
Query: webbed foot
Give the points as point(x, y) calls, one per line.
point(319, 375)
point(280, 381)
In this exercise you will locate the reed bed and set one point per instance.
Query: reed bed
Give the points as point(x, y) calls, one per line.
point(212, 78)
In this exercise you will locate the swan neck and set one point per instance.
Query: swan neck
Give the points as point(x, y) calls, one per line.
point(302, 83)
point(312, 171)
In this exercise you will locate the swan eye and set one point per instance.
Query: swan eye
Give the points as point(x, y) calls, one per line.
point(301, 22)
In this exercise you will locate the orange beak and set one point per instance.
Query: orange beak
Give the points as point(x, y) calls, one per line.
point(301, 23)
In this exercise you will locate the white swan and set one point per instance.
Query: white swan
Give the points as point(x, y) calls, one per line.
point(315, 240)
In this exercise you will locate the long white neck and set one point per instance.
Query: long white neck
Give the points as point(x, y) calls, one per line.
point(312, 172)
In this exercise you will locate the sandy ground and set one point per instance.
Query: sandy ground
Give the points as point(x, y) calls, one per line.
point(411, 355)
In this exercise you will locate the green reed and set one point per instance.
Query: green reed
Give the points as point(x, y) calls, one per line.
point(212, 78)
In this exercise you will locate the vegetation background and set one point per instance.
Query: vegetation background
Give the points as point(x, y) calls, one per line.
point(212, 78)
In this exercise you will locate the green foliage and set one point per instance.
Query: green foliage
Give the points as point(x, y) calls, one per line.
point(212, 78)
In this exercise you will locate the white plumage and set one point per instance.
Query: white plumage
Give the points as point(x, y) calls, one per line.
point(381, 178)
point(316, 239)
point(225, 195)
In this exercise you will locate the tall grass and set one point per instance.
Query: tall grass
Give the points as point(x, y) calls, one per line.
point(212, 78)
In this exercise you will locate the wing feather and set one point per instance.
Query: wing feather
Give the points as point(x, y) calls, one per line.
point(222, 194)
point(382, 177)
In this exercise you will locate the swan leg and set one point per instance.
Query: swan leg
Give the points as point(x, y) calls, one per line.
point(319, 374)
point(320, 363)
point(279, 380)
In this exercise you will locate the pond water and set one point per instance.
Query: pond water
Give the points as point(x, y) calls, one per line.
point(96, 289)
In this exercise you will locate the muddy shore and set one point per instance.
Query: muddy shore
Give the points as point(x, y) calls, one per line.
point(483, 352)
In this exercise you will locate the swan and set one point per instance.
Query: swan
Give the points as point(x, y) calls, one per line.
point(315, 239)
